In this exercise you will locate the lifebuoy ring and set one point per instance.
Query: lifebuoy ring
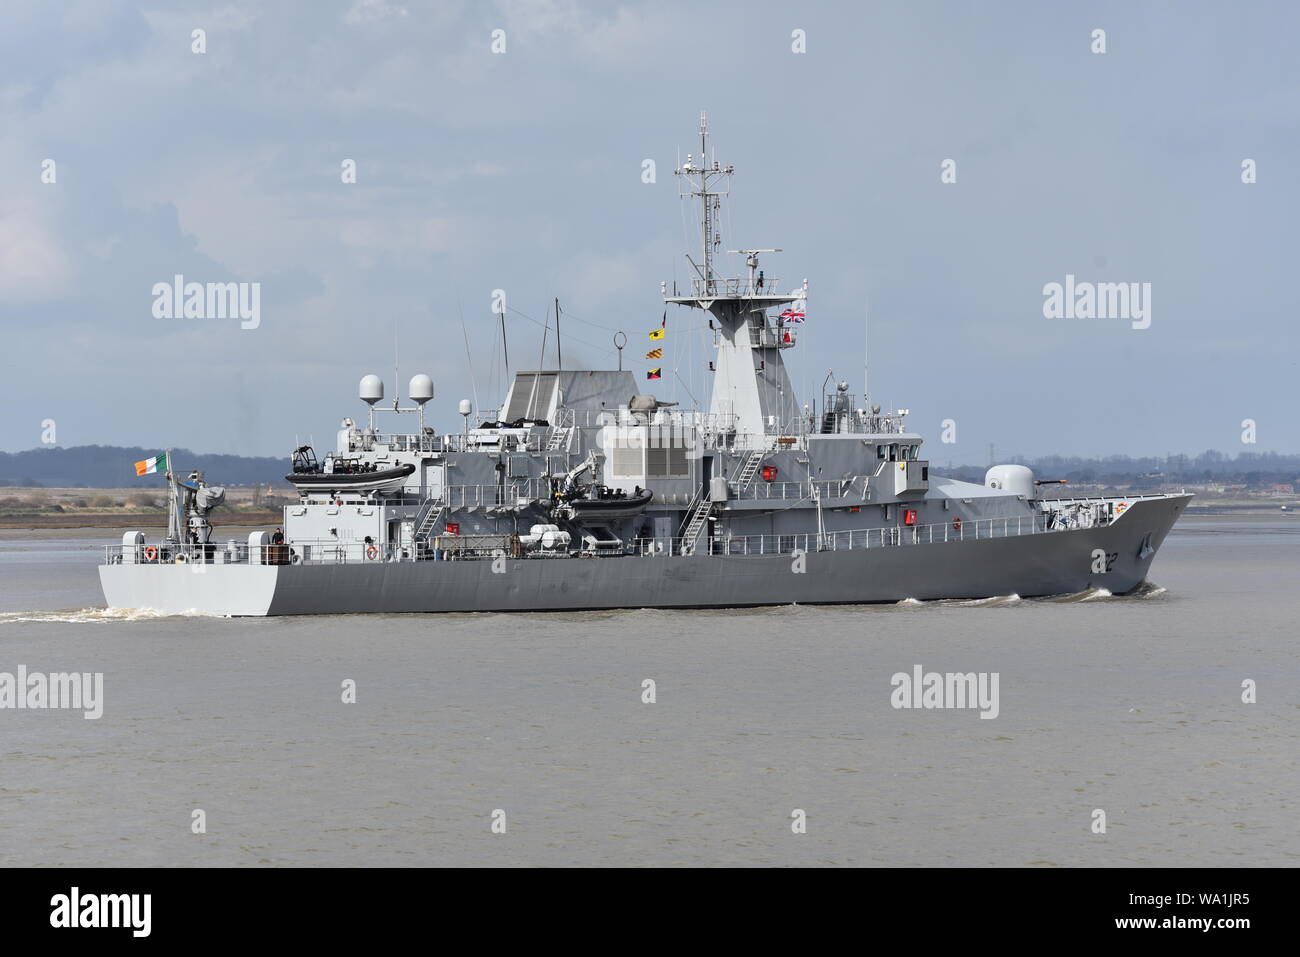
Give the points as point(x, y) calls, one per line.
point(956, 524)
point(371, 552)
point(150, 553)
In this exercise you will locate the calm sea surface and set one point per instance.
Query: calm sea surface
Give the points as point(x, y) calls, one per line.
point(1129, 705)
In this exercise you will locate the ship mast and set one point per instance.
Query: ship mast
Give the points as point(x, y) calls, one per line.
point(708, 184)
point(750, 385)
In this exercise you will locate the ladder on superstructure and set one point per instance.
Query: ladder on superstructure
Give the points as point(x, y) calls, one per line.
point(559, 437)
point(432, 516)
point(699, 515)
point(749, 470)
point(703, 506)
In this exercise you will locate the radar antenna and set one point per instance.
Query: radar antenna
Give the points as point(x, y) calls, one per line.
point(709, 182)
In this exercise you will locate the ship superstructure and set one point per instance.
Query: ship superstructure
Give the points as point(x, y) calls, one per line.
point(580, 491)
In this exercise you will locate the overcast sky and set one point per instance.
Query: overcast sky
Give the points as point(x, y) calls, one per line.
point(522, 171)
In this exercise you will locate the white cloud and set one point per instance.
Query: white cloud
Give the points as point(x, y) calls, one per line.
point(629, 35)
point(368, 11)
point(33, 267)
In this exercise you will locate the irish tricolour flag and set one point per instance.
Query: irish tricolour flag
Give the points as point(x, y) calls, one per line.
point(149, 466)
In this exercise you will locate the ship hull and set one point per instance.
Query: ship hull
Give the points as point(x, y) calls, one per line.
point(1044, 564)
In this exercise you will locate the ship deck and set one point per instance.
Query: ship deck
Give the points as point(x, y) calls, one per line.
point(490, 547)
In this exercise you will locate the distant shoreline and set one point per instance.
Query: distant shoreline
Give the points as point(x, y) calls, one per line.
point(126, 508)
point(1258, 508)
point(127, 521)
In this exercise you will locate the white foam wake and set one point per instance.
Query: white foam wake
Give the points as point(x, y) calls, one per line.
point(1148, 590)
point(993, 601)
point(97, 615)
point(1074, 598)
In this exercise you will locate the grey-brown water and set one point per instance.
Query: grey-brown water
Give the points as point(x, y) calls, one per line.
point(1129, 705)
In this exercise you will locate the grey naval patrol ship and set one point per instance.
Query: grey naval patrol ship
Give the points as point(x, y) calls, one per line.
point(581, 492)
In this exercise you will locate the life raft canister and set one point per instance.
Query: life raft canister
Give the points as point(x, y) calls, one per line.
point(150, 553)
point(371, 552)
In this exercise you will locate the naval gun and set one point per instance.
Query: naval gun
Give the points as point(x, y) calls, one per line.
point(643, 407)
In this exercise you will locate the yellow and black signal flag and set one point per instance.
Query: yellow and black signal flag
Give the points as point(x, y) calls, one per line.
point(655, 354)
point(655, 374)
point(657, 334)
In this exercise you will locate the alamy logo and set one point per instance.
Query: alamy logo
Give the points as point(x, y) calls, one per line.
point(932, 690)
point(102, 910)
point(667, 436)
point(1101, 300)
point(179, 299)
point(34, 690)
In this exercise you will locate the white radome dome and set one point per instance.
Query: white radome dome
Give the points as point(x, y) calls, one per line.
point(371, 389)
point(420, 389)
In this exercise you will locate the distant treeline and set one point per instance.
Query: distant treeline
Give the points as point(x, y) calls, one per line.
point(1256, 470)
point(113, 466)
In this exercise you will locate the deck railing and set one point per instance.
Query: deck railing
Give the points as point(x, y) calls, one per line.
point(741, 286)
point(684, 418)
point(328, 551)
point(466, 496)
point(309, 552)
point(788, 491)
point(889, 536)
point(213, 553)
